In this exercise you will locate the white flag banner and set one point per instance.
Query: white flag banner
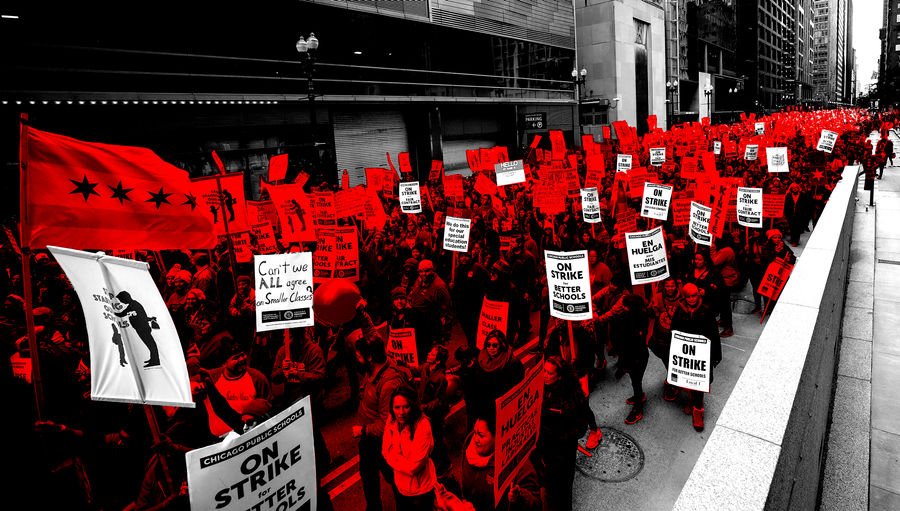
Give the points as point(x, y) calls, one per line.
point(717, 147)
point(689, 361)
point(750, 207)
point(699, 225)
point(647, 256)
point(751, 151)
point(284, 291)
point(456, 234)
point(655, 203)
point(623, 163)
point(826, 141)
point(136, 356)
point(410, 199)
point(569, 283)
point(510, 172)
point(777, 158)
point(657, 155)
point(590, 205)
point(270, 467)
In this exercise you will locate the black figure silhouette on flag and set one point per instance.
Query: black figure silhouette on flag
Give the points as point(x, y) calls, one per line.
point(229, 202)
point(298, 210)
point(143, 325)
point(215, 213)
point(117, 340)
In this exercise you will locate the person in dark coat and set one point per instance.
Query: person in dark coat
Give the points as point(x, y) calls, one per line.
point(630, 314)
point(467, 291)
point(796, 211)
point(496, 371)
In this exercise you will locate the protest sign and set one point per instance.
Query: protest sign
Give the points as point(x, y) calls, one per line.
point(346, 254)
point(751, 151)
point(326, 214)
point(518, 425)
point(295, 212)
point(401, 346)
point(717, 147)
point(557, 145)
point(689, 361)
point(759, 128)
point(775, 278)
point(773, 205)
point(494, 316)
point(623, 163)
point(265, 237)
point(271, 467)
point(657, 155)
point(655, 202)
point(240, 241)
point(456, 234)
point(681, 211)
point(569, 282)
point(136, 355)
point(690, 168)
point(410, 200)
point(590, 205)
point(222, 196)
point(324, 255)
point(284, 291)
point(647, 256)
point(375, 179)
point(699, 227)
point(750, 207)
point(778, 159)
point(437, 168)
point(826, 141)
point(510, 172)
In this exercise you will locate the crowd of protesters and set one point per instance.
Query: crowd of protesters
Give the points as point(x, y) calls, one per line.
point(96, 455)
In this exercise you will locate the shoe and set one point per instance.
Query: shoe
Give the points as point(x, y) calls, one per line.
point(151, 363)
point(698, 419)
point(670, 392)
point(594, 438)
point(726, 333)
point(634, 416)
point(630, 401)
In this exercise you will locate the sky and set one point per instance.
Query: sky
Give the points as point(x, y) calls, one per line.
point(867, 20)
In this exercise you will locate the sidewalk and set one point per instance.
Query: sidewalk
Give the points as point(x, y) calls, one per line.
point(862, 469)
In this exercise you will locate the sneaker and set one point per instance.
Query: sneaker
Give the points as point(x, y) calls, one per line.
point(698, 419)
point(726, 333)
point(670, 392)
point(630, 401)
point(634, 416)
point(594, 438)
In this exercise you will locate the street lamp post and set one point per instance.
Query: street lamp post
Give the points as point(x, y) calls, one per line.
point(671, 89)
point(708, 91)
point(578, 78)
point(308, 48)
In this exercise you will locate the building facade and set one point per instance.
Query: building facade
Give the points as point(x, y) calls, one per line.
point(889, 62)
point(833, 53)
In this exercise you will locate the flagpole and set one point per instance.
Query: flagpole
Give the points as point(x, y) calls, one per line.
point(154, 430)
point(25, 238)
point(228, 240)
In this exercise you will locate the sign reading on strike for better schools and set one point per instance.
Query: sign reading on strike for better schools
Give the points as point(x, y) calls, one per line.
point(410, 200)
point(717, 147)
point(510, 172)
point(655, 203)
point(647, 256)
point(699, 227)
point(689, 361)
point(623, 163)
point(778, 159)
point(750, 207)
point(456, 234)
point(136, 356)
point(775, 278)
point(826, 141)
point(569, 282)
point(284, 291)
point(518, 426)
point(401, 346)
point(494, 316)
point(657, 155)
point(270, 467)
point(590, 205)
point(751, 151)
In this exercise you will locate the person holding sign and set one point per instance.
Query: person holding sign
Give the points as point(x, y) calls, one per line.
point(632, 322)
point(496, 371)
point(406, 446)
point(796, 210)
point(695, 317)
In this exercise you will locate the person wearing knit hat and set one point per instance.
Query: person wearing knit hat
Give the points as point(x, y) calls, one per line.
point(181, 284)
point(241, 385)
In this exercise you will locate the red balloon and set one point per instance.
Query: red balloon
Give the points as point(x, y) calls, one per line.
point(334, 302)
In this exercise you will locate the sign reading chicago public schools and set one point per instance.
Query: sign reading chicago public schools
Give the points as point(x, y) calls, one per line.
point(647, 256)
point(751, 151)
point(535, 121)
point(510, 172)
point(284, 291)
point(569, 283)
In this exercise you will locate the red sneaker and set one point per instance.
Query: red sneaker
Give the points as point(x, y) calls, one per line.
point(594, 438)
point(670, 392)
point(630, 400)
point(698, 419)
point(634, 416)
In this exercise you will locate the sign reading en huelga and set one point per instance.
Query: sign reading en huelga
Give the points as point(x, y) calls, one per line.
point(284, 291)
point(136, 356)
point(569, 283)
point(647, 256)
point(410, 199)
point(518, 427)
point(510, 172)
point(689, 359)
point(699, 226)
point(655, 203)
point(826, 141)
point(750, 207)
point(456, 234)
point(271, 467)
point(590, 205)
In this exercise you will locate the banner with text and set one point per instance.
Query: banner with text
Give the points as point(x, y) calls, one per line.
point(284, 291)
point(647, 256)
point(699, 226)
point(456, 234)
point(569, 283)
point(689, 361)
point(518, 425)
point(494, 316)
point(655, 203)
point(750, 207)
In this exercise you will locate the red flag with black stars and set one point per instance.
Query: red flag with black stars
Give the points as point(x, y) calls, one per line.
point(86, 195)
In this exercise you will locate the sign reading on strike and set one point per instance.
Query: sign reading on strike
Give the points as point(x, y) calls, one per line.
point(778, 159)
point(346, 253)
point(647, 256)
point(689, 361)
point(623, 163)
point(456, 234)
point(510, 172)
point(410, 200)
point(284, 291)
point(699, 226)
point(590, 205)
point(751, 151)
point(401, 346)
point(494, 316)
point(569, 282)
point(272, 466)
point(750, 207)
point(717, 147)
point(655, 203)
point(657, 155)
point(759, 128)
point(518, 425)
point(826, 141)
point(775, 278)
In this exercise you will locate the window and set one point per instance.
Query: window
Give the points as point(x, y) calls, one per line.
point(594, 114)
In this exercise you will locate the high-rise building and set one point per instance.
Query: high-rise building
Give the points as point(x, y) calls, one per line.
point(832, 68)
point(889, 62)
point(770, 28)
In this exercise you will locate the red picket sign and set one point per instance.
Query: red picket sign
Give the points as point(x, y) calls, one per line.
point(775, 278)
point(557, 144)
point(773, 205)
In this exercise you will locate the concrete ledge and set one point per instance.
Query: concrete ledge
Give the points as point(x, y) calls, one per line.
point(780, 405)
